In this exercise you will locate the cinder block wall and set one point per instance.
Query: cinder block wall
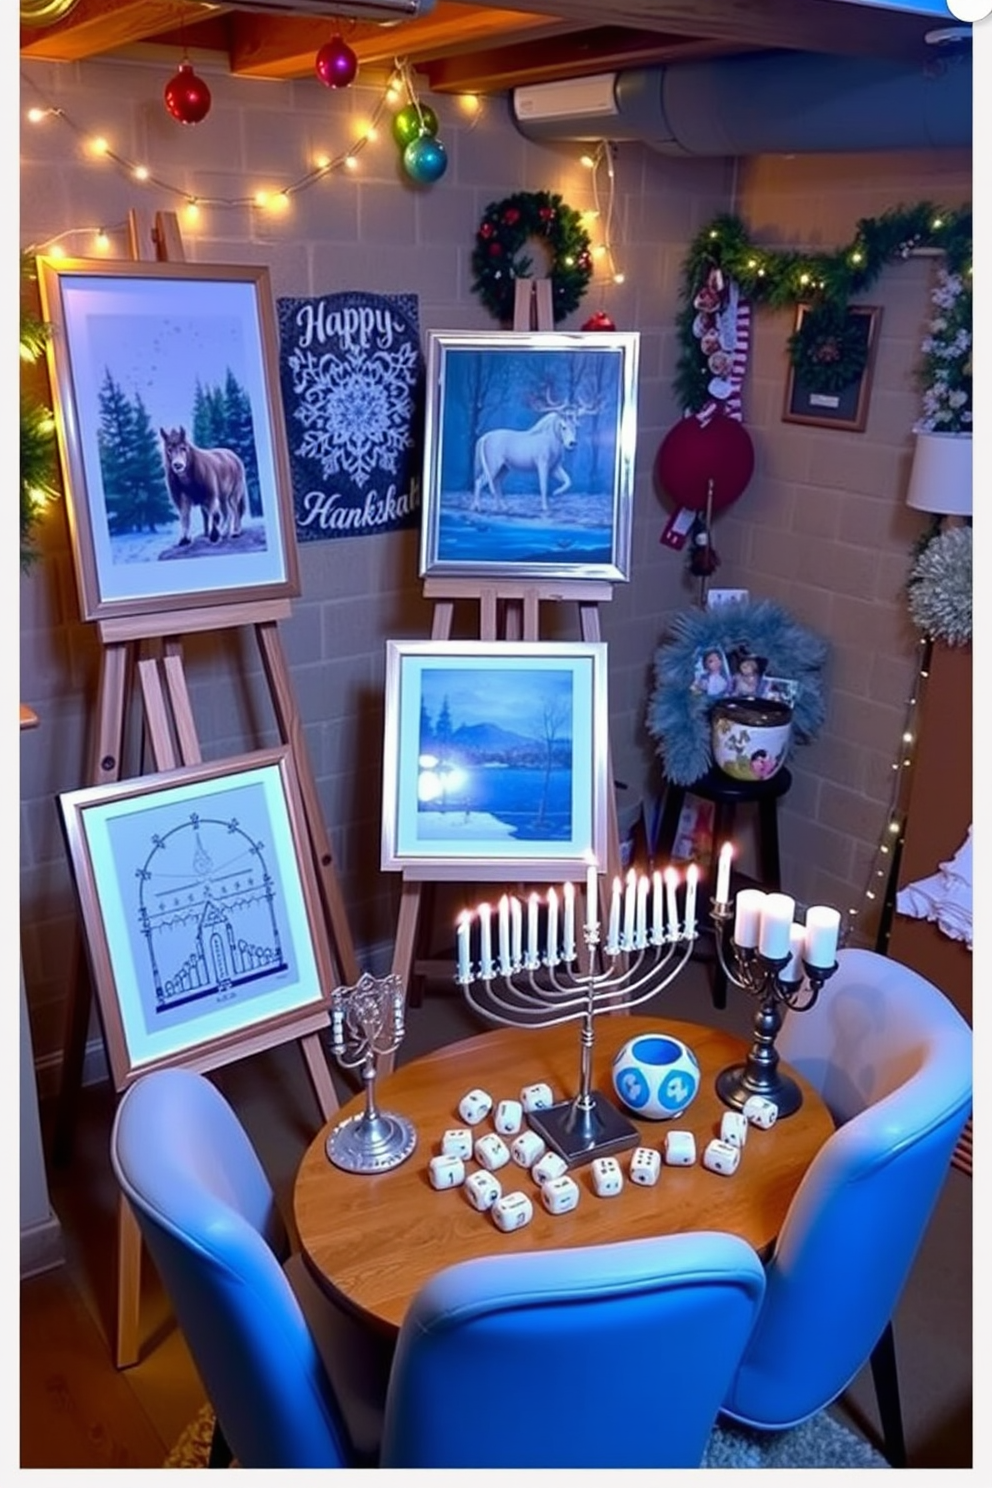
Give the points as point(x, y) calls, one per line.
point(813, 491)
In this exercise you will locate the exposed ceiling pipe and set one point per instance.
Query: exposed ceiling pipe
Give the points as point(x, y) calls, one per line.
point(764, 103)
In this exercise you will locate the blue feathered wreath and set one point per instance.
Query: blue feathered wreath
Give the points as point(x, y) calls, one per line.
point(680, 719)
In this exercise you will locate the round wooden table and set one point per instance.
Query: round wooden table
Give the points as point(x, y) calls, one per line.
point(374, 1240)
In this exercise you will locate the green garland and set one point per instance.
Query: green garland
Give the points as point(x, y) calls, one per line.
point(39, 468)
point(498, 262)
point(783, 279)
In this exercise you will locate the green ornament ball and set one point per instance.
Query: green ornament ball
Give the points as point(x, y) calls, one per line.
point(425, 160)
point(410, 122)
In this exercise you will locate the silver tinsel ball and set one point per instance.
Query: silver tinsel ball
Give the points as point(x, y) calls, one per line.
point(939, 587)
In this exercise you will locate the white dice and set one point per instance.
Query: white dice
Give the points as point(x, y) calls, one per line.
point(475, 1107)
point(680, 1149)
point(607, 1179)
point(645, 1165)
point(512, 1211)
point(536, 1097)
point(760, 1111)
point(733, 1128)
point(721, 1157)
point(446, 1172)
point(551, 1165)
point(559, 1195)
point(482, 1189)
point(527, 1149)
point(508, 1117)
point(457, 1142)
point(491, 1152)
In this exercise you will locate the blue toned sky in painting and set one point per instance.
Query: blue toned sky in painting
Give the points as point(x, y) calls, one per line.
point(512, 699)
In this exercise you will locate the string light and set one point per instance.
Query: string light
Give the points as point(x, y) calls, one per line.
point(602, 159)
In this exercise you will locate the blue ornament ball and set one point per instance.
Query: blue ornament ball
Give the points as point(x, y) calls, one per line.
point(656, 1076)
point(425, 160)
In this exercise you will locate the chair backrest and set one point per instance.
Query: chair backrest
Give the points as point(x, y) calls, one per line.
point(208, 1216)
point(603, 1356)
point(893, 1061)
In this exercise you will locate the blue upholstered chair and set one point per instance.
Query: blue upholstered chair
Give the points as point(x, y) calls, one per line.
point(293, 1381)
point(893, 1061)
point(604, 1356)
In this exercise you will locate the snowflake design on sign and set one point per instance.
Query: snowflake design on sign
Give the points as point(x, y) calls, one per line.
point(355, 408)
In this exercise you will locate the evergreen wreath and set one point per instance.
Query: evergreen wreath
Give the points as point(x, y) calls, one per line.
point(680, 719)
point(498, 261)
point(829, 350)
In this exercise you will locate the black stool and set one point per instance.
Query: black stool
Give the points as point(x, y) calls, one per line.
point(727, 794)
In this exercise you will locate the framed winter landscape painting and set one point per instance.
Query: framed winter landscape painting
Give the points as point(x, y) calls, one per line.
point(495, 759)
point(201, 912)
point(165, 383)
point(529, 445)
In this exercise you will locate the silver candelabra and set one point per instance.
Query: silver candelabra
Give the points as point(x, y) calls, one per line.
point(367, 1023)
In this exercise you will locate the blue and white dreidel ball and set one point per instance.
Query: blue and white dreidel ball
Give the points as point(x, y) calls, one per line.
point(656, 1076)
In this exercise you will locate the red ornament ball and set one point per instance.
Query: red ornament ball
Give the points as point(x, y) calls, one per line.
point(336, 64)
point(599, 322)
point(693, 454)
point(187, 97)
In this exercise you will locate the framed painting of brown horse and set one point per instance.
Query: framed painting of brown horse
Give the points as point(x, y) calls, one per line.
point(171, 435)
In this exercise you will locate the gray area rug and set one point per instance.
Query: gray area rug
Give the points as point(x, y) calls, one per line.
point(819, 1442)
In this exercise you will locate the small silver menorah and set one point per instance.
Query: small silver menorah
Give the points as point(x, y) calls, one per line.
point(367, 1022)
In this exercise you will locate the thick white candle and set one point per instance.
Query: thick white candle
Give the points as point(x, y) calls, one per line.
point(776, 922)
point(486, 952)
point(504, 936)
point(463, 933)
point(516, 932)
point(797, 944)
point(532, 956)
point(568, 932)
point(671, 902)
point(592, 898)
point(822, 934)
point(629, 909)
point(723, 873)
point(552, 957)
point(691, 886)
point(613, 933)
point(657, 909)
point(641, 913)
point(747, 919)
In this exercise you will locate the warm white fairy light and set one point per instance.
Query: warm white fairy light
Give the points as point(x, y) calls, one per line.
point(602, 159)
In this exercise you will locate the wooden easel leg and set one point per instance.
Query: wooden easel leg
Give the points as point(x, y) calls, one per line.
point(405, 948)
point(316, 1062)
point(127, 1345)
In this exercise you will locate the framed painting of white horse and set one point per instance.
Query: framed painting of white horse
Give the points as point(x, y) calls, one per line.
point(529, 454)
point(169, 421)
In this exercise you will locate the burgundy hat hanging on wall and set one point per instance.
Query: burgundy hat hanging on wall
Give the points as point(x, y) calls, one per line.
point(702, 468)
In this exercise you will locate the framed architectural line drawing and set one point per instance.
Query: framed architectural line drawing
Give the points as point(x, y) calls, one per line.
point(529, 447)
point(494, 759)
point(200, 911)
point(165, 381)
point(836, 408)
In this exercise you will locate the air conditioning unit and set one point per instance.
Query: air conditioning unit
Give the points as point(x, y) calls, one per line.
point(329, 10)
point(588, 98)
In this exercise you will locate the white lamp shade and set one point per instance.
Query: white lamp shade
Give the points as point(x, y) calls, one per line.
point(940, 480)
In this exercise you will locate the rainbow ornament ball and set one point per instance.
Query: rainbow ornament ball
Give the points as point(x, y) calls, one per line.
point(656, 1076)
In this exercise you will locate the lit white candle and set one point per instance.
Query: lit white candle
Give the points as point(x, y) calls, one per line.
point(747, 919)
point(532, 956)
point(671, 902)
point(613, 933)
point(629, 909)
point(486, 941)
point(568, 932)
point(822, 934)
point(552, 956)
point(657, 909)
point(776, 922)
point(592, 898)
point(723, 873)
point(463, 933)
point(516, 931)
point(641, 913)
point(504, 936)
point(797, 944)
point(691, 886)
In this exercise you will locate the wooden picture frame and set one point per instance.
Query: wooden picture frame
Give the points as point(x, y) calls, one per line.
point(201, 912)
point(847, 408)
point(529, 445)
point(147, 360)
point(495, 759)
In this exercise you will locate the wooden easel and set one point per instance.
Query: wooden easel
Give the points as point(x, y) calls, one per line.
point(172, 735)
point(509, 609)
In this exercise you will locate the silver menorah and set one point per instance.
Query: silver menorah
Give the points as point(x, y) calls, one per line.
point(367, 1022)
point(647, 945)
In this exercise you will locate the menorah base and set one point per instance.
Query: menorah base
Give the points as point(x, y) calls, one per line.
point(371, 1144)
point(738, 1081)
point(579, 1132)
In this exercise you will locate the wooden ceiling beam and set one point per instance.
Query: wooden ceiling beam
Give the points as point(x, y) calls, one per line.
point(97, 26)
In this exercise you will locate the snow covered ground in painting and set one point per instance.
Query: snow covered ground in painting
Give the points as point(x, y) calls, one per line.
point(477, 826)
point(151, 547)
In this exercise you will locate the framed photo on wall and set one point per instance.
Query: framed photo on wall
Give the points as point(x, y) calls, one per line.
point(494, 759)
point(529, 445)
point(165, 381)
point(836, 407)
point(201, 912)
